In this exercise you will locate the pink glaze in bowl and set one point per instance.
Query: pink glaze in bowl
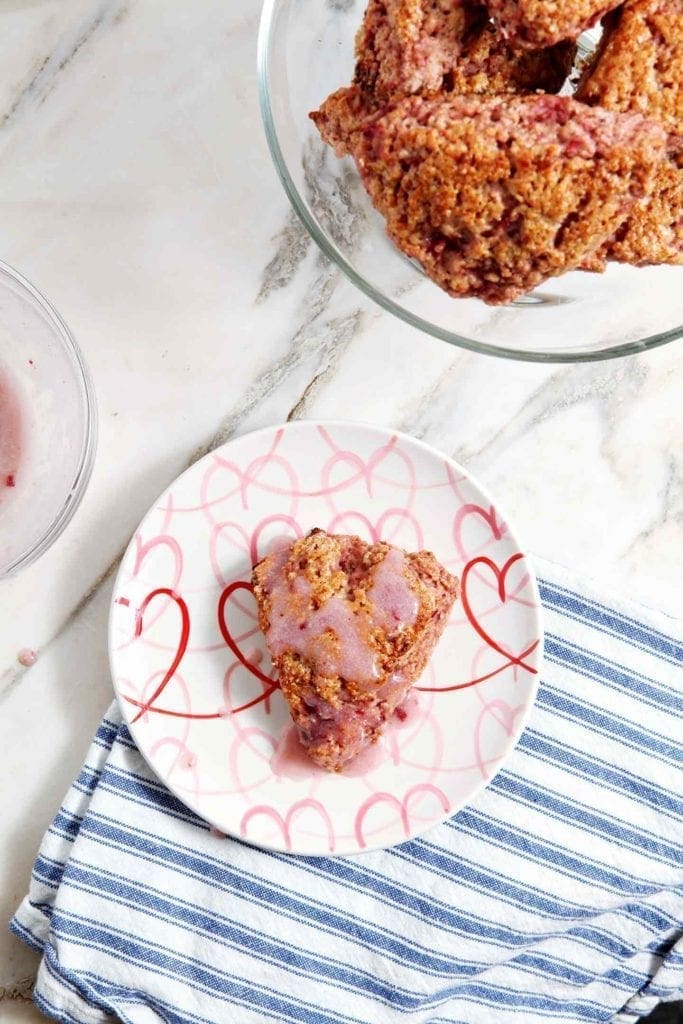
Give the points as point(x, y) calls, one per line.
point(48, 424)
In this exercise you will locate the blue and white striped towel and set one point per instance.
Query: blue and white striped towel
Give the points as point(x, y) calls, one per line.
point(556, 896)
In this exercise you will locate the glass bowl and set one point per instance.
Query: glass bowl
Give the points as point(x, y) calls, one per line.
point(48, 423)
point(305, 52)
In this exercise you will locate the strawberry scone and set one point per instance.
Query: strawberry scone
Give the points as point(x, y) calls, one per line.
point(350, 627)
point(537, 23)
point(404, 47)
point(639, 67)
point(493, 195)
point(407, 46)
point(428, 47)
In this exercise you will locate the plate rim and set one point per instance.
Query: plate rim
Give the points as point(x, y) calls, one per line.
point(384, 432)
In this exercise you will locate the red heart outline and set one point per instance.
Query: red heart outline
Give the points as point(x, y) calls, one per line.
point(270, 685)
point(500, 575)
point(182, 644)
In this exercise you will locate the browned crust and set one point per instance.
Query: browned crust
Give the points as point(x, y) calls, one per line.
point(418, 47)
point(639, 67)
point(408, 47)
point(342, 116)
point(494, 195)
point(653, 233)
point(535, 23)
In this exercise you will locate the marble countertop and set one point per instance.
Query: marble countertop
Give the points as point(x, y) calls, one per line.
point(139, 196)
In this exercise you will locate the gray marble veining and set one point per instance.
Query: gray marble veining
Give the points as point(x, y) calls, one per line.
point(139, 195)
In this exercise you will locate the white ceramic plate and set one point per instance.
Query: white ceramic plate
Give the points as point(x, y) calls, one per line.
point(194, 679)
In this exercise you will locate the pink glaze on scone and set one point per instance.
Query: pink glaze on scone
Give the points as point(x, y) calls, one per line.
point(350, 627)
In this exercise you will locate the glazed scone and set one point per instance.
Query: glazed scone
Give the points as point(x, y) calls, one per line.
point(350, 627)
point(537, 23)
point(639, 67)
point(493, 195)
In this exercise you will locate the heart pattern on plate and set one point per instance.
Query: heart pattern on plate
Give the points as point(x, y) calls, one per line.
point(194, 678)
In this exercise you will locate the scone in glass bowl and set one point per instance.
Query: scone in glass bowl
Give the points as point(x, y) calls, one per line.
point(305, 53)
point(48, 424)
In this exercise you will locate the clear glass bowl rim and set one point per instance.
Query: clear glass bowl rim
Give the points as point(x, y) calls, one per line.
point(333, 253)
point(89, 443)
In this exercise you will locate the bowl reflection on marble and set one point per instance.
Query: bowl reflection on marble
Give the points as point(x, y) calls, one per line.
point(305, 52)
point(48, 424)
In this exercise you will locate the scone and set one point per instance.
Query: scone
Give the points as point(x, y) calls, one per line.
point(428, 48)
point(405, 47)
point(350, 627)
point(544, 22)
point(639, 67)
point(493, 195)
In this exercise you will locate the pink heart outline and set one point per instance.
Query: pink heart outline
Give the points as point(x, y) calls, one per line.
point(284, 824)
point(400, 805)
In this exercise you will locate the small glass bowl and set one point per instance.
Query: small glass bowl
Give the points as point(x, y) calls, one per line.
point(42, 367)
point(306, 52)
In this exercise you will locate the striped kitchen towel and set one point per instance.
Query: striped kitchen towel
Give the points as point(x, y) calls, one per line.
point(557, 895)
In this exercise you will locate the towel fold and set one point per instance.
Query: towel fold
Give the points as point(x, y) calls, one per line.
point(557, 895)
